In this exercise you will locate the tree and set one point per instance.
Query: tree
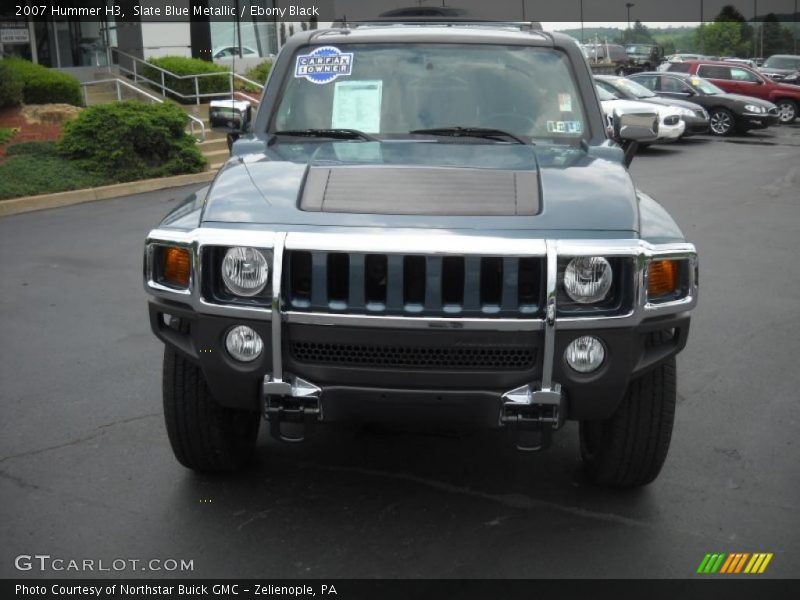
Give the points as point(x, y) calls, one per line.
point(283, 33)
point(312, 22)
point(776, 38)
point(721, 39)
point(730, 14)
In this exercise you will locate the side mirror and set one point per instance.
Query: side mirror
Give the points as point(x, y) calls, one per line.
point(229, 116)
point(632, 128)
point(635, 126)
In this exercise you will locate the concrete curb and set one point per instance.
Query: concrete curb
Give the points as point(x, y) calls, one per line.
point(15, 206)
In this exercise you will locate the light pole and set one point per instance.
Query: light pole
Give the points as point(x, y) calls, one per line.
point(628, 5)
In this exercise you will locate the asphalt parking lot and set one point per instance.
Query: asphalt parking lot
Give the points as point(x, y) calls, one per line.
point(86, 470)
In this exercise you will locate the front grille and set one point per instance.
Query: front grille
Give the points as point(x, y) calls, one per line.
point(416, 357)
point(413, 285)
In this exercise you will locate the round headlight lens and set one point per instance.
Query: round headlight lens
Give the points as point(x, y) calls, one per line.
point(243, 343)
point(245, 271)
point(587, 279)
point(585, 354)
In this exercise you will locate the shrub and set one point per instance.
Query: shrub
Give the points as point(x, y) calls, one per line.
point(7, 133)
point(33, 168)
point(41, 85)
point(10, 86)
point(260, 72)
point(181, 65)
point(132, 140)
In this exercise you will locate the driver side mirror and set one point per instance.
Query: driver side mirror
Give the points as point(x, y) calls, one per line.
point(229, 116)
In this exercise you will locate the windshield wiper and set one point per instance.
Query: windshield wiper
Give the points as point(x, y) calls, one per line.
point(340, 134)
point(476, 132)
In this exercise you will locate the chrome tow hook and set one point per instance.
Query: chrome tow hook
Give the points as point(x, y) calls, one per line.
point(531, 414)
point(293, 402)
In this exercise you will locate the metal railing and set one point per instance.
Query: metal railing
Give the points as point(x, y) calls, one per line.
point(138, 66)
point(120, 83)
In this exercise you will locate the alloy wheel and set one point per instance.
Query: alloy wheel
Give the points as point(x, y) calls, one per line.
point(721, 123)
point(787, 111)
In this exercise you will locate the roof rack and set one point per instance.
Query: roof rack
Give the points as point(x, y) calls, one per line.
point(432, 20)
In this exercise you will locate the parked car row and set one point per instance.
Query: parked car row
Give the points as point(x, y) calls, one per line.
point(784, 68)
point(700, 105)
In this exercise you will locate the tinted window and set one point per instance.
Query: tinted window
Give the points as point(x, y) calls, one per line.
point(671, 84)
point(679, 67)
point(714, 72)
point(648, 81)
point(743, 75)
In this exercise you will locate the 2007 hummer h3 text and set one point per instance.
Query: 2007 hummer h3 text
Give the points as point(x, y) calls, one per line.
point(425, 220)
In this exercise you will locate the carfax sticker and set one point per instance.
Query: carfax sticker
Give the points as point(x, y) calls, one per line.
point(565, 103)
point(323, 65)
point(564, 127)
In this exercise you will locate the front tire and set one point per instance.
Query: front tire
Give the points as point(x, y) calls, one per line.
point(629, 448)
point(721, 121)
point(204, 436)
point(787, 111)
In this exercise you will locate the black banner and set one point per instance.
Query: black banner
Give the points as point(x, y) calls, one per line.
point(586, 11)
point(405, 589)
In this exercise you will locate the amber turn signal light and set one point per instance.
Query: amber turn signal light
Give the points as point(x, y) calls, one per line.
point(663, 278)
point(175, 266)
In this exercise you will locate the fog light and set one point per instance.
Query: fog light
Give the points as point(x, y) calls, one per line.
point(243, 343)
point(585, 354)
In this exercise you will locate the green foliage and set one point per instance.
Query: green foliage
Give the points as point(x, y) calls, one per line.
point(721, 38)
point(181, 65)
point(6, 133)
point(41, 85)
point(125, 141)
point(36, 168)
point(10, 86)
point(260, 72)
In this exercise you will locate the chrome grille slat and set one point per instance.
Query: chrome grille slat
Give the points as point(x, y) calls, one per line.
point(458, 286)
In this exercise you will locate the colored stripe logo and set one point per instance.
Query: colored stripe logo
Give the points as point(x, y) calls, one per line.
point(734, 563)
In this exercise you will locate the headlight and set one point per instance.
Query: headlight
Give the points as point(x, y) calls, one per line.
point(754, 109)
point(245, 271)
point(587, 279)
point(672, 120)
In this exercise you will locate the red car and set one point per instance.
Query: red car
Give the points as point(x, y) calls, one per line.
point(738, 79)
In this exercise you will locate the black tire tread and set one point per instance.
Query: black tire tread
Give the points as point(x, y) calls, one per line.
point(635, 439)
point(204, 436)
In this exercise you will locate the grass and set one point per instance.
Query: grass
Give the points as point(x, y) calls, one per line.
point(6, 133)
point(33, 168)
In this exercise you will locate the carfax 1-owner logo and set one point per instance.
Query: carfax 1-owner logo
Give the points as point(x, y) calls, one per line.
point(324, 64)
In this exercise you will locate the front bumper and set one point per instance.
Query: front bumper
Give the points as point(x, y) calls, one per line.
point(695, 125)
point(757, 121)
point(478, 370)
point(448, 392)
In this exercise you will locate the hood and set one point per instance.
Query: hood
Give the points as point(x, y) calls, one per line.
point(746, 99)
point(638, 106)
point(406, 184)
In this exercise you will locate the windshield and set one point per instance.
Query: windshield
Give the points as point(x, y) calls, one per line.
point(704, 86)
point(632, 88)
point(782, 62)
point(390, 90)
point(604, 94)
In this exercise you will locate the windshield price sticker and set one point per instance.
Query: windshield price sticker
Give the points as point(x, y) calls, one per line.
point(565, 103)
point(323, 65)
